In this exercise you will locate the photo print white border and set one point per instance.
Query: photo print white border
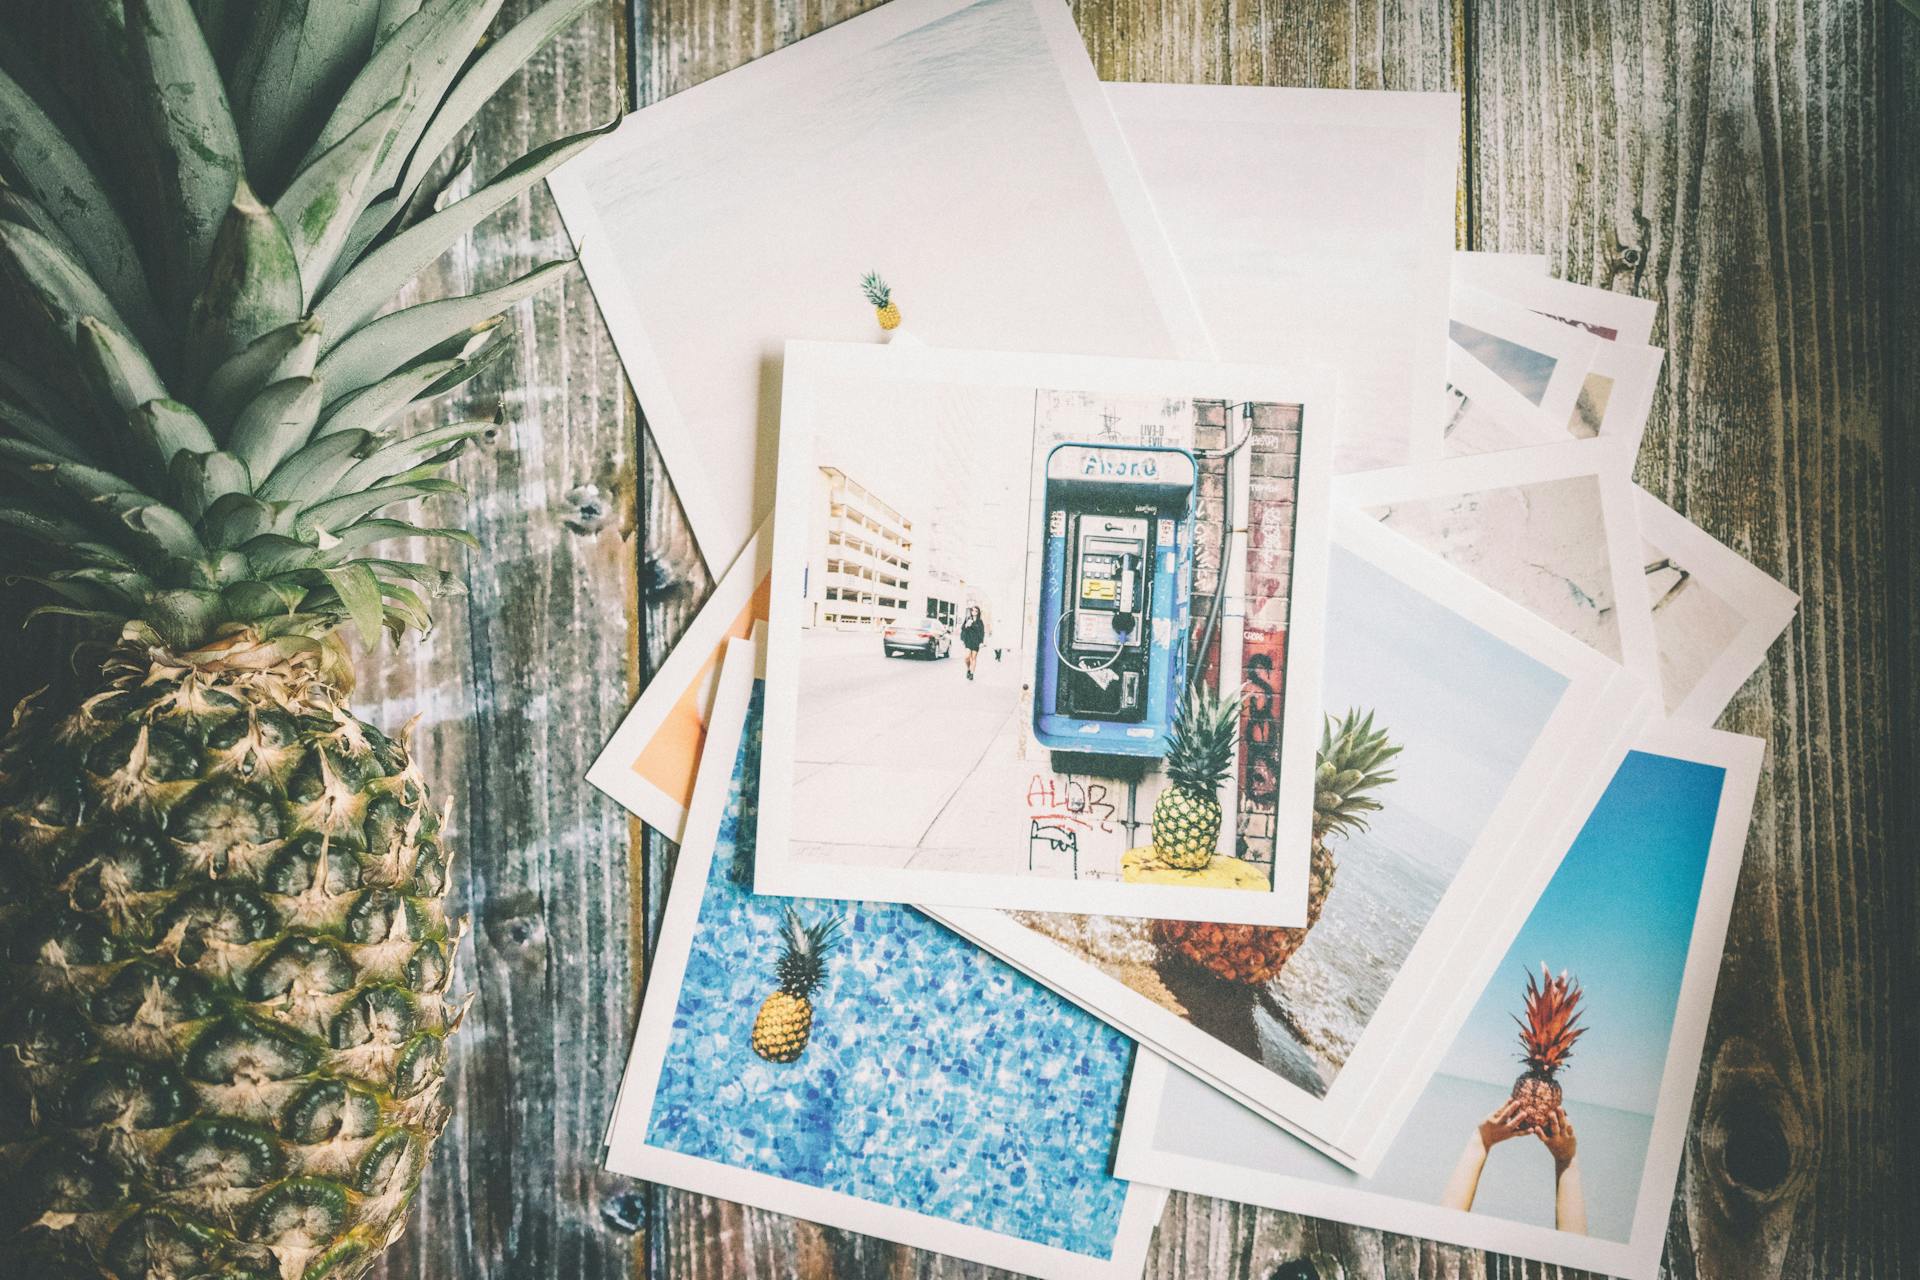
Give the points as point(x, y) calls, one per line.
point(715, 427)
point(1608, 461)
point(1765, 606)
point(693, 661)
point(1636, 1259)
point(1634, 372)
point(1631, 318)
point(1521, 423)
point(630, 1154)
point(1571, 349)
point(1601, 708)
point(1483, 268)
point(807, 363)
point(1270, 248)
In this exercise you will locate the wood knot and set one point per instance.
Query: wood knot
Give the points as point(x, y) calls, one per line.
point(1314, 1266)
point(516, 928)
point(587, 509)
point(1752, 1138)
point(661, 577)
point(624, 1210)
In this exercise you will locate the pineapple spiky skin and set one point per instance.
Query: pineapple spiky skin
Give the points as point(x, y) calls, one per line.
point(1186, 829)
point(784, 1022)
point(1186, 817)
point(226, 959)
point(1349, 770)
point(885, 310)
point(1547, 1036)
point(782, 1027)
point(224, 948)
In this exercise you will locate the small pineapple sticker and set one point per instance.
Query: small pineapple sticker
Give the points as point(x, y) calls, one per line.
point(882, 299)
point(785, 1020)
point(1546, 1042)
point(1186, 817)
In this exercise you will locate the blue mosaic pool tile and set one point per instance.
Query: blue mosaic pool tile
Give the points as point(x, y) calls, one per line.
point(936, 1078)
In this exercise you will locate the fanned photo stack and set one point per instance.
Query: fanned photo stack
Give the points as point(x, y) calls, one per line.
point(1193, 696)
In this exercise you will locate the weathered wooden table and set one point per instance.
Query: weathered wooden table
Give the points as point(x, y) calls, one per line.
point(1752, 166)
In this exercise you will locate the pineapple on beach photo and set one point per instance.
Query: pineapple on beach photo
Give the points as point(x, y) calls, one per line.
point(885, 310)
point(1350, 768)
point(224, 932)
point(784, 1023)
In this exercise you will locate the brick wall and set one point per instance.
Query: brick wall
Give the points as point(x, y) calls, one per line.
point(1273, 455)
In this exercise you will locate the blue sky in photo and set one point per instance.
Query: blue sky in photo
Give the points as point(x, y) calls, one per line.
point(1618, 915)
point(1466, 705)
point(936, 1079)
point(1526, 370)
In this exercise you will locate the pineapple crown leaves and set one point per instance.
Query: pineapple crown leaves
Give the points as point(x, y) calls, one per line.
point(204, 412)
point(1552, 1020)
point(876, 289)
point(1200, 746)
point(804, 949)
point(1348, 771)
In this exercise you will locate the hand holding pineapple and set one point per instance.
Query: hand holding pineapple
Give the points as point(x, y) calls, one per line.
point(1547, 1035)
point(224, 943)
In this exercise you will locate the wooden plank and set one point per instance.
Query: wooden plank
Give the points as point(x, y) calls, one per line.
point(1727, 161)
point(1900, 168)
point(517, 690)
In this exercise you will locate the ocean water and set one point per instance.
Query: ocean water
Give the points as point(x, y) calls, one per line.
point(1383, 895)
point(936, 1079)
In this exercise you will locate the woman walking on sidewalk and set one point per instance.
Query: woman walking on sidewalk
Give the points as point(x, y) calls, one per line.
point(973, 634)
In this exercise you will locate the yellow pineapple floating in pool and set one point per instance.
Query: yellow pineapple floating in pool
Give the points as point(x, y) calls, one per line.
point(882, 299)
point(785, 1020)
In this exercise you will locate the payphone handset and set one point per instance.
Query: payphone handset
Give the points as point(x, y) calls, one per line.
point(1110, 562)
point(1114, 597)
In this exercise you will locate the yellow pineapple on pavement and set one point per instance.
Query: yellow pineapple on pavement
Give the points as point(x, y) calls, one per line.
point(1186, 817)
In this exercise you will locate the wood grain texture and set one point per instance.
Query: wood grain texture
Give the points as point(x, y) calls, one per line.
point(1727, 161)
point(516, 690)
point(1900, 167)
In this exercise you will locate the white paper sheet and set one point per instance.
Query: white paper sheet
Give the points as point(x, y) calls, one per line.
point(962, 149)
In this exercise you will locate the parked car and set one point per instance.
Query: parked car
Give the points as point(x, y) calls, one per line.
point(929, 638)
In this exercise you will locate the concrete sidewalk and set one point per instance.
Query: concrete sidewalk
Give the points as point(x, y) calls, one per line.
point(885, 747)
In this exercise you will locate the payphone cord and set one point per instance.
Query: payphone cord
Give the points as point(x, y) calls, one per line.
point(1065, 660)
point(1226, 534)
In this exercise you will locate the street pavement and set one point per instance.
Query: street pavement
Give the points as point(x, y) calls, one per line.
point(886, 744)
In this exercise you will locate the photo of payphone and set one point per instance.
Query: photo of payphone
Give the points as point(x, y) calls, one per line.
point(1115, 600)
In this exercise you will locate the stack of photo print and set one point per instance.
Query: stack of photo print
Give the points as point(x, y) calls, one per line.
point(1193, 697)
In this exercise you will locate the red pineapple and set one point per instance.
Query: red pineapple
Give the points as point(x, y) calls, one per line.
point(1546, 1036)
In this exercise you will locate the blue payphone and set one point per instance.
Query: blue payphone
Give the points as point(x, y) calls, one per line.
point(1115, 600)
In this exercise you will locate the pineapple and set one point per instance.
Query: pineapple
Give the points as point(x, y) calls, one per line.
point(1186, 817)
point(881, 297)
point(225, 948)
point(1546, 1042)
point(1349, 770)
point(785, 1019)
